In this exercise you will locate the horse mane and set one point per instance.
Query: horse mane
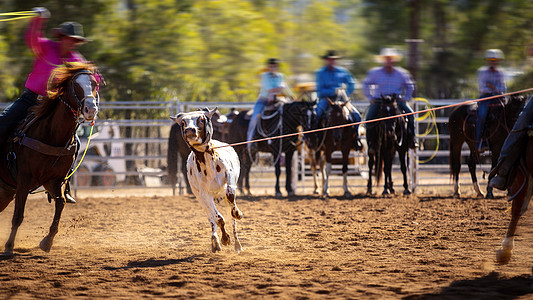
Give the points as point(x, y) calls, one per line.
point(58, 86)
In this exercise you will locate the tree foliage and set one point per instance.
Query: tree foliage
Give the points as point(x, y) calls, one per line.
point(208, 50)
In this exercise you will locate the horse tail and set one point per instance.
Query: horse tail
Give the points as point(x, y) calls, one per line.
point(172, 156)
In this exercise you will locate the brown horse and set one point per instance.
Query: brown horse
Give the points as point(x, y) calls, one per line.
point(500, 120)
point(289, 118)
point(389, 136)
point(34, 163)
point(322, 144)
point(521, 190)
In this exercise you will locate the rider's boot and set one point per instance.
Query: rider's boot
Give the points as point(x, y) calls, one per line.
point(68, 197)
point(510, 153)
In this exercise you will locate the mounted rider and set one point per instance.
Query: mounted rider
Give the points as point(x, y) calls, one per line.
point(491, 82)
point(329, 81)
point(390, 80)
point(272, 84)
point(48, 55)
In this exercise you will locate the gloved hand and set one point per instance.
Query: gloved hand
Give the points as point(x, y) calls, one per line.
point(43, 12)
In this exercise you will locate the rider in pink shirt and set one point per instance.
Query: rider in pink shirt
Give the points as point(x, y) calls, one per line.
point(48, 55)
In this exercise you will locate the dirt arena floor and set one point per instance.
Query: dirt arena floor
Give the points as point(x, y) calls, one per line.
point(120, 246)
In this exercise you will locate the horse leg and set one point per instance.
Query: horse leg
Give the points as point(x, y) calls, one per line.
point(472, 161)
point(278, 174)
point(403, 167)
point(5, 198)
point(18, 215)
point(345, 158)
point(455, 163)
point(370, 166)
point(313, 163)
point(288, 173)
point(387, 171)
point(503, 255)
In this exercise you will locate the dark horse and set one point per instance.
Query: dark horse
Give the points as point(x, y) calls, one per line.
point(521, 190)
point(322, 144)
point(500, 120)
point(55, 120)
point(389, 136)
point(178, 151)
point(286, 119)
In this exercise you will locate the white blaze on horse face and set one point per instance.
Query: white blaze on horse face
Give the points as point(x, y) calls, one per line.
point(89, 101)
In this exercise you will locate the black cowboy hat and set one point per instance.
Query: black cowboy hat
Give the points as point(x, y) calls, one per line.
point(71, 29)
point(331, 54)
point(273, 61)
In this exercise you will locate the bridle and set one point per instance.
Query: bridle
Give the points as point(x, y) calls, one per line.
point(80, 103)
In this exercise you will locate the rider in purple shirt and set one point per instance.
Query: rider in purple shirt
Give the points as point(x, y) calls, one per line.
point(48, 55)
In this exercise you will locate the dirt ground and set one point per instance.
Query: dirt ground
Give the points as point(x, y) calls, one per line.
point(426, 246)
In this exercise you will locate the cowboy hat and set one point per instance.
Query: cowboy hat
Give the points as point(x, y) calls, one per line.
point(389, 52)
point(273, 61)
point(330, 54)
point(72, 30)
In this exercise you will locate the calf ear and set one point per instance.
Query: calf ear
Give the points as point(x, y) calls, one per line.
point(210, 113)
point(177, 118)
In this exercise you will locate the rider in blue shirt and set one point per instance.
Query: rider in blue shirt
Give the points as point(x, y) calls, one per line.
point(491, 82)
point(389, 80)
point(328, 79)
point(272, 84)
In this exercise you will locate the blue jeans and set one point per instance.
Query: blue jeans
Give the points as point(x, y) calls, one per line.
point(482, 112)
point(322, 106)
point(258, 109)
point(15, 112)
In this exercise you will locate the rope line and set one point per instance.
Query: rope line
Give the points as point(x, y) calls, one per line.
point(375, 120)
point(86, 147)
point(18, 15)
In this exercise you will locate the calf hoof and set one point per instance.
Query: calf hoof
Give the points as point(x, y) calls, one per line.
point(7, 255)
point(236, 213)
point(215, 244)
point(225, 239)
point(503, 256)
point(238, 247)
point(347, 194)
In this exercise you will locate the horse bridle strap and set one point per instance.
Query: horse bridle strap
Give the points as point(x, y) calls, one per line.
point(47, 149)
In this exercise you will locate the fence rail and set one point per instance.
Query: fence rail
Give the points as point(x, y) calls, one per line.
point(145, 165)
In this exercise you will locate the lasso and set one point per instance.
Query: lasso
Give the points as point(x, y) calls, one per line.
point(17, 15)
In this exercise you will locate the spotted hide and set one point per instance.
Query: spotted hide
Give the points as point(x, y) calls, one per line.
point(213, 171)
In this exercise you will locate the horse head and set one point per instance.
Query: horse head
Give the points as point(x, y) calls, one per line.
point(513, 107)
point(76, 86)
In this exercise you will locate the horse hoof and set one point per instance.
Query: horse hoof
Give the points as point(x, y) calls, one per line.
point(503, 256)
point(456, 195)
point(46, 244)
point(489, 196)
point(7, 255)
point(407, 192)
point(347, 194)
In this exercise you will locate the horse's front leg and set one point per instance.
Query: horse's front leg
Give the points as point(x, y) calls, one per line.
point(18, 215)
point(277, 167)
point(503, 255)
point(56, 192)
point(472, 161)
point(387, 171)
point(345, 158)
point(403, 167)
point(371, 158)
point(288, 173)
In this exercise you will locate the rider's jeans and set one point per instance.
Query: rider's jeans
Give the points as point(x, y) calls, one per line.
point(258, 109)
point(322, 106)
point(482, 112)
point(15, 112)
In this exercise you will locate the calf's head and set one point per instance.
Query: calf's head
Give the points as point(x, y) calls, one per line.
point(196, 127)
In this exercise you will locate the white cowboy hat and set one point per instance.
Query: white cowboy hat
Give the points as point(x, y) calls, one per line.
point(389, 52)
